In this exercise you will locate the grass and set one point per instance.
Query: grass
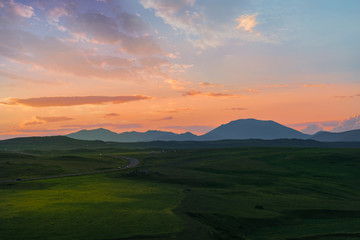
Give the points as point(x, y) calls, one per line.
point(238, 193)
point(87, 207)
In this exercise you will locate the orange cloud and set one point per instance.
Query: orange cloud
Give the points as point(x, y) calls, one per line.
point(112, 115)
point(314, 85)
point(53, 119)
point(274, 86)
point(206, 84)
point(175, 84)
point(253, 90)
point(164, 119)
point(174, 110)
point(246, 22)
point(72, 101)
point(210, 94)
point(238, 109)
point(40, 120)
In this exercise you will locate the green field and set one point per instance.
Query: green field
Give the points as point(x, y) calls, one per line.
point(235, 193)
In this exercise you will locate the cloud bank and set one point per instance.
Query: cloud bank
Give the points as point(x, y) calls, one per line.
point(72, 101)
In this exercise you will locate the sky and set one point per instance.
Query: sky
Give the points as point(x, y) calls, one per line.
point(177, 65)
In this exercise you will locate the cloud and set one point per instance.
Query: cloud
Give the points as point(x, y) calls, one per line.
point(55, 55)
point(175, 84)
point(252, 90)
point(206, 84)
point(181, 16)
point(72, 101)
point(21, 9)
point(351, 123)
point(238, 109)
point(111, 115)
point(174, 110)
point(12, 13)
point(314, 85)
point(41, 120)
point(164, 119)
point(209, 94)
point(53, 119)
point(348, 96)
point(321, 123)
point(246, 22)
point(31, 123)
point(102, 125)
point(133, 23)
point(274, 86)
point(312, 129)
point(99, 28)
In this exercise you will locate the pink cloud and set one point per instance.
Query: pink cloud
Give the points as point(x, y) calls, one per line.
point(55, 55)
point(21, 9)
point(72, 101)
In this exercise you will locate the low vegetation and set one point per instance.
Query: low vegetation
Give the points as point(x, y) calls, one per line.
point(237, 193)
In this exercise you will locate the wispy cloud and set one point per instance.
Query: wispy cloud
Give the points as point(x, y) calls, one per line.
point(20, 9)
point(102, 125)
point(314, 85)
point(164, 118)
point(238, 109)
point(110, 115)
point(190, 19)
point(174, 110)
point(55, 55)
point(347, 96)
point(175, 84)
point(351, 123)
point(209, 94)
point(72, 101)
point(207, 84)
point(246, 22)
point(252, 90)
point(41, 120)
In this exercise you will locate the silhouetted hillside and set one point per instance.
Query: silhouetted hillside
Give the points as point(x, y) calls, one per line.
point(253, 129)
point(348, 136)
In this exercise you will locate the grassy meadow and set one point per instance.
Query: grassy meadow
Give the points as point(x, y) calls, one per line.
point(236, 193)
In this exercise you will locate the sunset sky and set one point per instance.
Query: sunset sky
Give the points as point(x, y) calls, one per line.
point(177, 65)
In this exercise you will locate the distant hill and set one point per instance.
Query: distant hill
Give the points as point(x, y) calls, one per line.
point(36, 144)
point(239, 129)
point(152, 135)
point(348, 136)
point(253, 129)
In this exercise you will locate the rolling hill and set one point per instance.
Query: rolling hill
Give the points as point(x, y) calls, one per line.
point(348, 136)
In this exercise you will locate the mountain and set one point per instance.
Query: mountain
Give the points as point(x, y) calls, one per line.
point(95, 134)
point(253, 129)
point(239, 129)
point(151, 135)
point(348, 136)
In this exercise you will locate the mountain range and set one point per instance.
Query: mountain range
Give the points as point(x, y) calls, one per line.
point(235, 130)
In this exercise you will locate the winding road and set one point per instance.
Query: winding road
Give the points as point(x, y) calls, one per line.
point(132, 162)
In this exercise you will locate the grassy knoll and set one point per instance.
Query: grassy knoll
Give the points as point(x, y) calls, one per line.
point(239, 193)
